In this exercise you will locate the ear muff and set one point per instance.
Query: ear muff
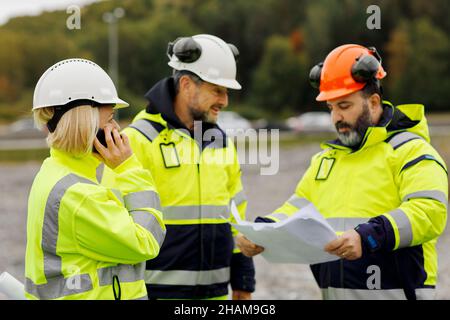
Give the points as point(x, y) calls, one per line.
point(235, 51)
point(314, 75)
point(365, 68)
point(186, 49)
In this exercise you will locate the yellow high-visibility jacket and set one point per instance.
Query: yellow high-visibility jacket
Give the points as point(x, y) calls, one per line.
point(197, 181)
point(394, 190)
point(86, 241)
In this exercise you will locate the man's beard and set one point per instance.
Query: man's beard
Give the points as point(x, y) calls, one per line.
point(198, 114)
point(355, 135)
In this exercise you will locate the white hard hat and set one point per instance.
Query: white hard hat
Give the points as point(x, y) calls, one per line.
point(209, 57)
point(75, 79)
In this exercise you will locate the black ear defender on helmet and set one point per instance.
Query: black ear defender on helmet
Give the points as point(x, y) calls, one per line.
point(314, 75)
point(235, 51)
point(187, 50)
point(363, 70)
point(366, 66)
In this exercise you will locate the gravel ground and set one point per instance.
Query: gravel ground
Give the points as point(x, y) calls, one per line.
point(265, 193)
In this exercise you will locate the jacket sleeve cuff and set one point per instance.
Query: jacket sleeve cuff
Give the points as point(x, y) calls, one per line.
point(131, 163)
point(242, 273)
point(376, 234)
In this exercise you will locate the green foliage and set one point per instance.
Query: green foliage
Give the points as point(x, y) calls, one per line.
point(279, 41)
point(143, 48)
point(137, 103)
point(280, 80)
point(250, 111)
point(420, 64)
point(14, 156)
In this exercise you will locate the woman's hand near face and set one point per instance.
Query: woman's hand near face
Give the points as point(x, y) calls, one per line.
point(118, 149)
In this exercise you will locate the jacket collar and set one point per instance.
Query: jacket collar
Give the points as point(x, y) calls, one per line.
point(393, 120)
point(84, 166)
point(161, 98)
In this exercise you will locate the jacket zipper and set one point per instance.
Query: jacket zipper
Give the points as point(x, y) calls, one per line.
point(200, 211)
point(202, 254)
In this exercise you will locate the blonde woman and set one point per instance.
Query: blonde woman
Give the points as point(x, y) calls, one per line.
point(86, 241)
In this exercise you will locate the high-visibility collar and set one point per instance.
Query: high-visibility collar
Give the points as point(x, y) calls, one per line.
point(388, 126)
point(202, 137)
point(82, 165)
point(161, 99)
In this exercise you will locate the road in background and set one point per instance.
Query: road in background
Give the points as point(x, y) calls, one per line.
point(265, 193)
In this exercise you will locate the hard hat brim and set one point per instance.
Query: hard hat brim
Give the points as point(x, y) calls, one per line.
point(120, 104)
point(227, 83)
point(338, 93)
point(230, 84)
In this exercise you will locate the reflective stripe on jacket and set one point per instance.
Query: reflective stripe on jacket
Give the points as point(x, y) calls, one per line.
point(196, 184)
point(394, 190)
point(86, 241)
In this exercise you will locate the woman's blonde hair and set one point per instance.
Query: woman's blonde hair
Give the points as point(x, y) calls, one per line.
point(75, 131)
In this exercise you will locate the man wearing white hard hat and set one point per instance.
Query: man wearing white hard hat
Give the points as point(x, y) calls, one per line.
point(196, 172)
point(86, 241)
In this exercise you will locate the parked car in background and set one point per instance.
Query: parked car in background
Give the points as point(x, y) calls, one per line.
point(233, 123)
point(311, 122)
point(270, 124)
point(23, 129)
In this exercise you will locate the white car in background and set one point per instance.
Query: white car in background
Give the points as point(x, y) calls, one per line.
point(311, 122)
point(233, 123)
point(23, 129)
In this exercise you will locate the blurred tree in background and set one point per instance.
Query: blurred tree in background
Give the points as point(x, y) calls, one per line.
point(281, 78)
point(420, 66)
point(279, 41)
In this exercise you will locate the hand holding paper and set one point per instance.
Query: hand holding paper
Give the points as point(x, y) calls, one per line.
point(300, 238)
point(347, 246)
point(247, 247)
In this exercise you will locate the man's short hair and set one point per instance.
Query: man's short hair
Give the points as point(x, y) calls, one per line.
point(177, 74)
point(371, 88)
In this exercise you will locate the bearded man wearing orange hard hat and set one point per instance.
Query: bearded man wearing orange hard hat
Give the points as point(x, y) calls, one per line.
point(380, 185)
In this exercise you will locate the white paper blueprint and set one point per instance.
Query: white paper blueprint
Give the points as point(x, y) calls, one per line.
point(297, 239)
point(11, 287)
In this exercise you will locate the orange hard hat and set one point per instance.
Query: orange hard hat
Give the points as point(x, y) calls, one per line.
point(345, 70)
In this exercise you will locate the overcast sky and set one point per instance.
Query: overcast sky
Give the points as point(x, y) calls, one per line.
point(14, 8)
